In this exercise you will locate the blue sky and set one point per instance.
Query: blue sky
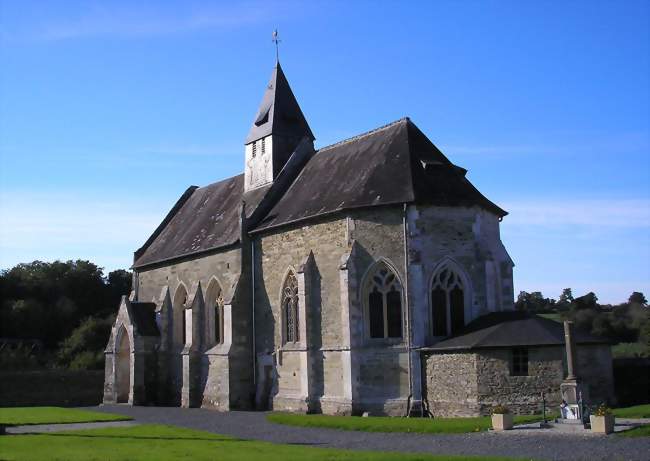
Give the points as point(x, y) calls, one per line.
point(109, 110)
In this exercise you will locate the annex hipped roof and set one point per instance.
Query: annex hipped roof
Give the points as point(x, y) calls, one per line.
point(510, 329)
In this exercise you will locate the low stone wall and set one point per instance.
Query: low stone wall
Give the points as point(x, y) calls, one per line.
point(51, 387)
point(632, 381)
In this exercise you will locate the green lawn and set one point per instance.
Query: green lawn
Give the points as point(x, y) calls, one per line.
point(557, 317)
point(52, 415)
point(638, 411)
point(155, 442)
point(394, 424)
point(643, 431)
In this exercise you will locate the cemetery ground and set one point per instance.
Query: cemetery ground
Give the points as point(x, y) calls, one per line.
point(178, 433)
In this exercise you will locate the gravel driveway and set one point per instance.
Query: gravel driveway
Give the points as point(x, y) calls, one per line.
point(531, 444)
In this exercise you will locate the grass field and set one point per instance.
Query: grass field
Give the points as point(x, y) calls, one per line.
point(155, 442)
point(638, 411)
point(394, 424)
point(643, 431)
point(52, 415)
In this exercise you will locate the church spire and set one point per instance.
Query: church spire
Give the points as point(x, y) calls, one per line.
point(277, 130)
point(279, 112)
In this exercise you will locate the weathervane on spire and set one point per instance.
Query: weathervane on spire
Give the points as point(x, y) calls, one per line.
point(277, 41)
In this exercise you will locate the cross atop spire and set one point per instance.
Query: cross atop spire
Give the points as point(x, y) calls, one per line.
point(276, 40)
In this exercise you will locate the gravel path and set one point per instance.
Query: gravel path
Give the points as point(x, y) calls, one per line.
point(531, 443)
point(39, 428)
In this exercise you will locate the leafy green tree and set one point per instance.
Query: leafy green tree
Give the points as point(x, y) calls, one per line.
point(638, 298)
point(566, 297)
point(84, 348)
point(46, 301)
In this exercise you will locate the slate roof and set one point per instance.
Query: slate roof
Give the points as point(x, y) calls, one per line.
point(511, 329)
point(279, 112)
point(144, 317)
point(205, 218)
point(393, 164)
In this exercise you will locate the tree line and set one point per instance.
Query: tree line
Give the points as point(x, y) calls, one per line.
point(58, 313)
point(626, 325)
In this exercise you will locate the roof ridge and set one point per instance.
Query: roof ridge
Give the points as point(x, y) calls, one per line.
point(363, 135)
point(229, 178)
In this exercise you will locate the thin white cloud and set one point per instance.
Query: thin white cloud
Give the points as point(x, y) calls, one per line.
point(622, 213)
point(67, 226)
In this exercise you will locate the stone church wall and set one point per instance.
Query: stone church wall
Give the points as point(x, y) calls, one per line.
point(522, 394)
point(302, 373)
point(469, 237)
point(450, 384)
point(381, 365)
point(225, 266)
point(215, 370)
point(471, 383)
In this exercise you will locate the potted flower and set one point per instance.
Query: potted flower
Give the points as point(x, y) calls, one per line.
point(602, 420)
point(501, 418)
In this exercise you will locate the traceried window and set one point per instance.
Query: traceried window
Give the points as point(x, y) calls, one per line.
point(519, 363)
point(218, 319)
point(384, 297)
point(290, 308)
point(447, 302)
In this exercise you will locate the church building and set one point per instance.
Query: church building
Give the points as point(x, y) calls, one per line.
point(325, 280)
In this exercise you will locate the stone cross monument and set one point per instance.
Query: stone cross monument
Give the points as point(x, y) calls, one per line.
point(572, 389)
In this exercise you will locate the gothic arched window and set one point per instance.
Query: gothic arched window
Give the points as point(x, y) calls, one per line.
point(179, 318)
point(214, 314)
point(447, 302)
point(384, 298)
point(290, 308)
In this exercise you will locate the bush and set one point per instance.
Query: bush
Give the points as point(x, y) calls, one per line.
point(500, 410)
point(84, 348)
point(88, 360)
point(602, 410)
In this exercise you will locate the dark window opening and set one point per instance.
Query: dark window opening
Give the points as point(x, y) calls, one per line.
point(457, 302)
point(519, 361)
point(447, 303)
point(217, 324)
point(439, 312)
point(376, 311)
point(394, 313)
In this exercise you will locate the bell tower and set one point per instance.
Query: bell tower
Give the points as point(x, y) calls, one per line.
point(278, 128)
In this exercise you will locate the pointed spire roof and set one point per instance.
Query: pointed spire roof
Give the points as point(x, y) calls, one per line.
point(279, 112)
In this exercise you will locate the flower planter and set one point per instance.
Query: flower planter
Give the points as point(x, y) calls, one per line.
point(502, 422)
point(602, 424)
